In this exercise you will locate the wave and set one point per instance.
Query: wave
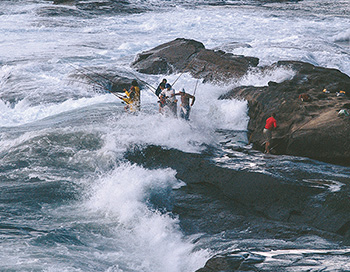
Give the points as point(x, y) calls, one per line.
point(342, 37)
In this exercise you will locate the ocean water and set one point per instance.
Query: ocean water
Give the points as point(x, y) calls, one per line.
point(70, 200)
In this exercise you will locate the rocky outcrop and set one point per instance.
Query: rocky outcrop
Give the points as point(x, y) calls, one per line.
point(240, 261)
point(189, 56)
point(220, 200)
point(261, 195)
point(310, 128)
point(305, 128)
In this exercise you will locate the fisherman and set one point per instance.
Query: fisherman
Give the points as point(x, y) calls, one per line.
point(162, 97)
point(270, 125)
point(185, 106)
point(161, 84)
point(170, 99)
point(132, 97)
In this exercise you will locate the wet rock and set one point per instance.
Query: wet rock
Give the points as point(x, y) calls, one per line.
point(65, 2)
point(253, 194)
point(230, 262)
point(306, 127)
point(310, 129)
point(183, 55)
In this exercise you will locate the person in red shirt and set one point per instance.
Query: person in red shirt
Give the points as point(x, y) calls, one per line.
point(270, 125)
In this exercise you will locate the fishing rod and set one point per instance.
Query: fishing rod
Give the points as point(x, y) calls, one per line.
point(183, 71)
point(98, 83)
point(104, 77)
point(87, 69)
point(195, 88)
point(150, 87)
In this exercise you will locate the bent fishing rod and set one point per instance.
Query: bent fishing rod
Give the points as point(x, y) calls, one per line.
point(150, 87)
point(104, 77)
point(98, 83)
point(183, 71)
point(91, 71)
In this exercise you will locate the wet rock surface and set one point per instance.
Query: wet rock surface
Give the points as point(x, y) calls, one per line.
point(251, 214)
point(309, 128)
point(306, 127)
point(183, 55)
point(255, 193)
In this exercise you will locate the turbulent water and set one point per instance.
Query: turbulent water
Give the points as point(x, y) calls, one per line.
point(70, 200)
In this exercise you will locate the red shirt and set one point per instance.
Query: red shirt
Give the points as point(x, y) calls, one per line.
point(270, 122)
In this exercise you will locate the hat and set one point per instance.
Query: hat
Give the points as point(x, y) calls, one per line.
point(167, 85)
point(182, 91)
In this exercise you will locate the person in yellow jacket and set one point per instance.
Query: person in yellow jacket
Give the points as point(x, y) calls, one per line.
point(132, 97)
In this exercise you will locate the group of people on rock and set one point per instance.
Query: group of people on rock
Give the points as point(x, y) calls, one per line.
point(167, 99)
point(168, 105)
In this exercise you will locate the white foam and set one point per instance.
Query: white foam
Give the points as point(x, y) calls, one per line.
point(23, 112)
point(149, 240)
point(342, 36)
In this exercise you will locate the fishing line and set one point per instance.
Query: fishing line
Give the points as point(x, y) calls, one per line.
point(195, 88)
point(87, 69)
point(183, 71)
point(150, 87)
point(97, 82)
point(104, 77)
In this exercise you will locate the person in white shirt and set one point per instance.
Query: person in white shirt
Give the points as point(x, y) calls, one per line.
point(171, 101)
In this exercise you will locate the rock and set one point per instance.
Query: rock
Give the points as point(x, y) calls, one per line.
point(60, 2)
point(245, 207)
point(183, 55)
point(167, 58)
point(257, 194)
point(306, 127)
point(310, 129)
point(230, 262)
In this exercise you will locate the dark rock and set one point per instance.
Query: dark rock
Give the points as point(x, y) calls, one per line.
point(167, 58)
point(224, 263)
point(258, 194)
point(231, 262)
point(66, 2)
point(183, 55)
point(311, 129)
point(306, 127)
point(242, 206)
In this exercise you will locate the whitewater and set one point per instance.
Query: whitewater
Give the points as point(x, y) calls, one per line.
point(70, 199)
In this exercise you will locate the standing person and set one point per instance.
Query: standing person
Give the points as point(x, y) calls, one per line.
point(162, 98)
point(270, 125)
point(185, 106)
point(170, 99)
point(133, 97)
point(159, 89)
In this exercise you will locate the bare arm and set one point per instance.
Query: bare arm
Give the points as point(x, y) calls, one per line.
point(193, 99)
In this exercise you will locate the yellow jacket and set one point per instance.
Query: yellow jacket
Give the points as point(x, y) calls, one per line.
point(133, 98)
